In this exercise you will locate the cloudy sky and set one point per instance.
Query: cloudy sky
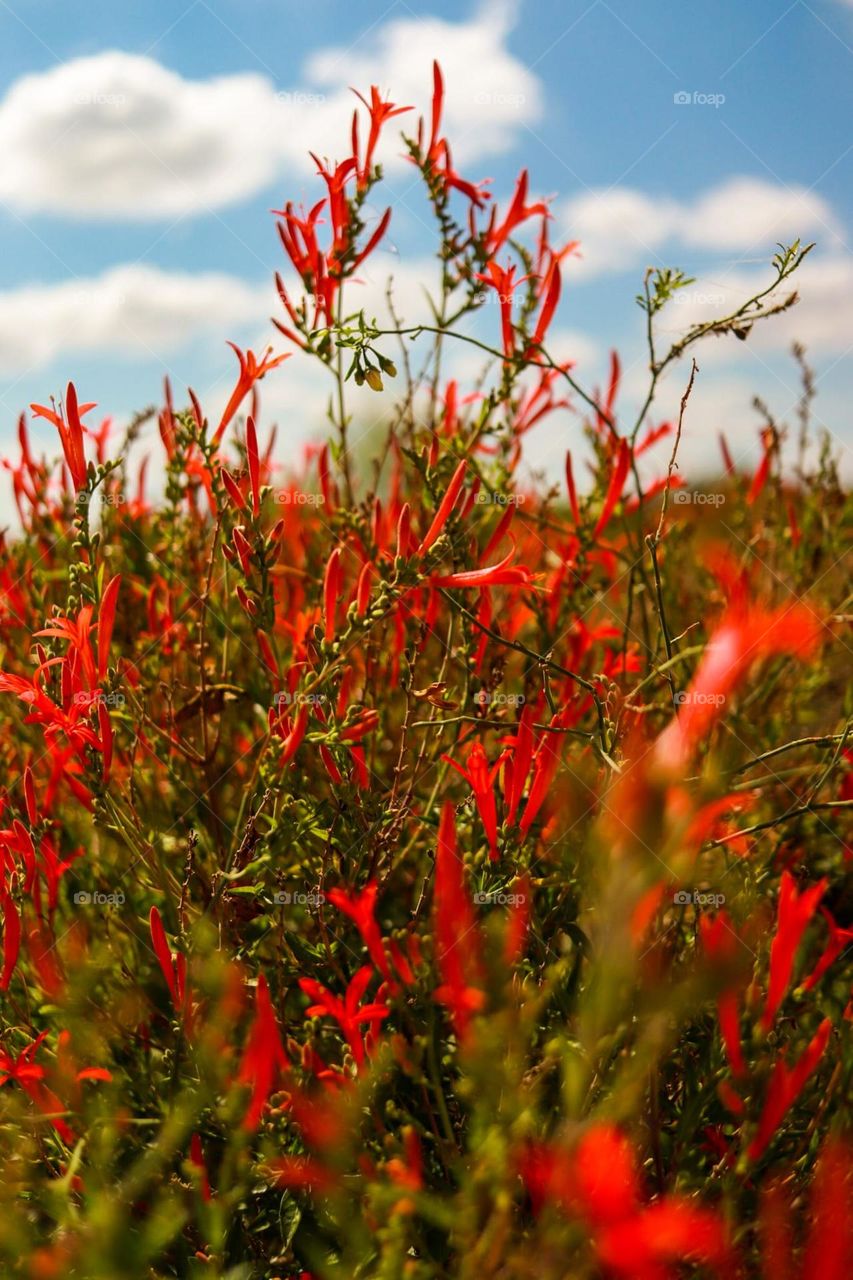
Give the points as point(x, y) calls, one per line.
point(144, 146)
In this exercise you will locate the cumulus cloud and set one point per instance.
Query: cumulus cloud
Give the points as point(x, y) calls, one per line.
point(132, 310)
point(621, 227)
point(118, 135)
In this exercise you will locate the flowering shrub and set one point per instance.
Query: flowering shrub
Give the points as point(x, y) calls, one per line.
point(409, 872)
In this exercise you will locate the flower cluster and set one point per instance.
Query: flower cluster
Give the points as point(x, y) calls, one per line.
point(439, 872)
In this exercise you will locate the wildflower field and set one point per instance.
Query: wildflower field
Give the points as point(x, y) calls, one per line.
point(411, 871)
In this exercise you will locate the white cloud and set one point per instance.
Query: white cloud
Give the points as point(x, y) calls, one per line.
point(621, 227)
point(118, 135)
point(135, 310)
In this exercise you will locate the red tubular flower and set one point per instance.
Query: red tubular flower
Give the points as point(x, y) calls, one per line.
point(517, 765)
point(786, 1085)
point(839, 939)
point(615, 486)
point(264, 1060)
point(518, 924)
point(672, 1230)
point(41, 945)
point(437, 160)
point(106, 622)
point(70, 434)
point(600, 1183)
point(11, 936)
point(497, 575)
point(746, 632)
point(362, 591)
point(331, 592)
point(721, 942)
point(728, 461)
point(445, 507)
point(794, 914)
point(251, 371)
point(480, 779)
point(360, 908)
point(504, 283)
point(606, 417)
point(517, 213)
point(550, 301)
point(829, 1251)
point(25, 1072)
point(348, 1012)
point(573, 497)
point(380, 112)
point(762, 471)
point(196, 1157)
point(243, 549)
point(30, 797)
point(292, 732)
point(457, 938)
point(253, 461)
point(172, 964)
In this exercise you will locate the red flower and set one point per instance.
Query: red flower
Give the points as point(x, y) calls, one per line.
point(518, 212)
point(794, 914)
point(786, 1085)
point(70, 430)
point(349, 1014)
point(839, 939)
point(380, 112)
point(331, 592)
point(442, 515)
point(618, 475)
point(496, 575)
point(106, 622)
point(172, 964)
point(11, 936)
point(480, 779)
point(721, 943)
point(253, 460)
point(599, 1182)
point(457, 938)
point(360, 908)
point(436, 160)
point(550, 298)
point(504, 283)
point(747, 632)
point(264, 1059)
point(251, 371)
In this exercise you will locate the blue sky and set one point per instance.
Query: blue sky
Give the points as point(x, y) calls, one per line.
point(145, 145)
